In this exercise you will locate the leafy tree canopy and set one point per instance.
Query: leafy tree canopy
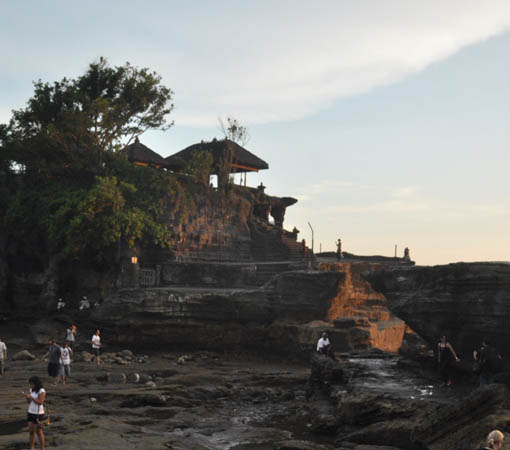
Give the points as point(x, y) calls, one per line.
point(66, 184)
point(75, 122)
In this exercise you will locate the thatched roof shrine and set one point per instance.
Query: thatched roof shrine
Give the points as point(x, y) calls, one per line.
point(144, 156)
point(242, 159)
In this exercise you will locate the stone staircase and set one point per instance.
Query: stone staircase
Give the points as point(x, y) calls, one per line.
point(270, 243)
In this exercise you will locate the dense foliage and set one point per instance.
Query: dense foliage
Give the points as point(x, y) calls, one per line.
point(66, 185)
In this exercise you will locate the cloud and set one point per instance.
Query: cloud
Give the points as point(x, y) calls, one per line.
point(261, 61)
point(303, 58)
point(407, 191)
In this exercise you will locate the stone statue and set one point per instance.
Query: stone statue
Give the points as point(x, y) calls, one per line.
point(406, 254)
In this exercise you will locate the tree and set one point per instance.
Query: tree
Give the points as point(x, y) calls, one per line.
point(234, 131)
point(76, 122)
point(78, 195)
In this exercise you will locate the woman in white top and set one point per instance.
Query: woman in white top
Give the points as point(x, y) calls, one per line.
point(35, 399)
point(96, 345)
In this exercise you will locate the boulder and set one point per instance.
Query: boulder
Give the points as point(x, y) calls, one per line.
point(23, 355)
point(87, 356)
point(118, 378)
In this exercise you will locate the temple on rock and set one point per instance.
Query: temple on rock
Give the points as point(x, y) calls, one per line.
point(247, 227)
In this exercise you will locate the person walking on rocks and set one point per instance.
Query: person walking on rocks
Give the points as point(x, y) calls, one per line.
point(35, 399)
point(70, 335)
point(445, 356)
point(3, 356)
point(65, 367)
point(54, 354)
point(96, 345)
point(489, 361)
point(494, 440)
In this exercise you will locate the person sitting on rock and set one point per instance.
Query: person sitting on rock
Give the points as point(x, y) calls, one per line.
point(84, 303)
point(445, 354)
point(61, 304)
point(324, 346)
point(494, 440)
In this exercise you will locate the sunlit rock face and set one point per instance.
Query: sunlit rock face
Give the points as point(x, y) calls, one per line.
point(362, 313)
point(465, 301)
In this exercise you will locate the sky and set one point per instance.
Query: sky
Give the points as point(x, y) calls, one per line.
point(388, 120)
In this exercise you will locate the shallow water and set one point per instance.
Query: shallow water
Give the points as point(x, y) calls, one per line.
point(382, 375)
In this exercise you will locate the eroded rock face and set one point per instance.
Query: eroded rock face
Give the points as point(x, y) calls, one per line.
point(261, 319)
point(465, 301)
point(360, 313)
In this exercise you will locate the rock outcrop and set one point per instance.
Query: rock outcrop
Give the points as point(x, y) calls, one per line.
point(270, 318)
point(360, 314)
point(465, 301)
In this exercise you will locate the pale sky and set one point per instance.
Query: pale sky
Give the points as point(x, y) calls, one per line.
point(389, 121)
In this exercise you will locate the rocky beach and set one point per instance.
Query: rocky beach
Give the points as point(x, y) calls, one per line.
point(211, 401)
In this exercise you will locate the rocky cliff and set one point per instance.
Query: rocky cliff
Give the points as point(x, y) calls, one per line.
point(464, 301)
point(272, 318)
point(360, 314)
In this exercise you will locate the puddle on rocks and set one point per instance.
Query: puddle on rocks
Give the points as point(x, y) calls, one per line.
point(382, 375)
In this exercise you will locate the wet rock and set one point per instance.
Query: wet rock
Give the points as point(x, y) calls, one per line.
point(114, 377)
point(150, 384)
point(363, 408)
point(137, 401)
point(126, 353)
point(24, 355)
point(324, 424)
point(436, 427)
point(144, 378)
point(325, 372)
point(299, 445)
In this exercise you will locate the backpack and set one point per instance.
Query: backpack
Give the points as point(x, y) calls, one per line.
point(492, 362)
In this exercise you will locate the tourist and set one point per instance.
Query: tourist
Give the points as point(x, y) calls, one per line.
point(35, 399)
point(489, 362)
point(324, 346)
point(60, 304)
point(96, 345)
point(303, 250)
point(339, 249)
point(70, 335)
point(494, 440)
point(54, 354)
point(3, 356)
point(445, 356)
point(65, 359)
point(84, 303)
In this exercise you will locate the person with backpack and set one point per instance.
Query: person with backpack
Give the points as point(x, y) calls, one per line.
point(490, 362)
